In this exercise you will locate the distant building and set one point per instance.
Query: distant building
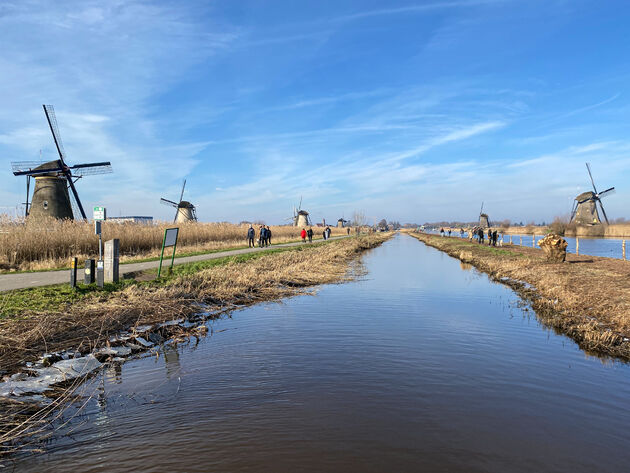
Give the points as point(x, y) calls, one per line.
point(132, 219)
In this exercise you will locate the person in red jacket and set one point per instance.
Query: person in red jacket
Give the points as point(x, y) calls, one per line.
point(303, 235)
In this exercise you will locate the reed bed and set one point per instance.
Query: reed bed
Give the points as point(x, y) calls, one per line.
point(586, 298)
point(50, 243)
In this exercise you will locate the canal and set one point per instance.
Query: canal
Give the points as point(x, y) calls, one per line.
point(421, 365)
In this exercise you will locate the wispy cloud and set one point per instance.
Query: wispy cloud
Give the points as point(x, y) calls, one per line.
point(419, 8)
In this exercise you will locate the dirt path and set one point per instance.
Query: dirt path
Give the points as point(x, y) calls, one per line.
point(9, 282)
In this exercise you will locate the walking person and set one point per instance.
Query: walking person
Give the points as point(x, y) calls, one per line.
point(303, 235)
point(268, 235)
point(449, 232)
point(250, 237)
point(261, 236)
point(328, 230)
point(324, 234)
point(309, 233)
point(494, 238)
point(480, 235)
point(441, 232)
point(461, 233)
point(348, 229)
point(489, 237)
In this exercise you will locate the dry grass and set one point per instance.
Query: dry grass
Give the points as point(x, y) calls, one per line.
point(85, 324)
point(50, 243)
point(587, 298)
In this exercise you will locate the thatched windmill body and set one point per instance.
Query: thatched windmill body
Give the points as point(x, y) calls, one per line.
point(484, 221)
point(585, 205)
point(55, 192)
point(186, 212)
point(300, 216)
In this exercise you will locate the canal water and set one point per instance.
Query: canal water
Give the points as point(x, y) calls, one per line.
point(605, 247)
point(422, 365)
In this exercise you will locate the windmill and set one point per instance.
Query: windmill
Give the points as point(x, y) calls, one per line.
point(483, 218)
point(54, 178)
point(300, 217)
point(186, 212)
point(585, 206)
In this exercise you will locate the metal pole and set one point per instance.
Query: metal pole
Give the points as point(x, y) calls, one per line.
point(170, 270)
point(162, 255)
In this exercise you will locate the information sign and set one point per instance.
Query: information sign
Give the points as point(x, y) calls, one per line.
point(99, 213)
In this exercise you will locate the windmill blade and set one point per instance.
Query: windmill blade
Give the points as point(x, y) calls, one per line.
point(91, 169)
point(573, 211)
point(603, 211)
point(588, 166)
point(169, 202)
point(19, 166)
point(37, 172)
point(54, 129)
point(182, 194)
point(585, 200)
point(481, 210)
point(300, 206)
point(76, 195)
point(607, 192)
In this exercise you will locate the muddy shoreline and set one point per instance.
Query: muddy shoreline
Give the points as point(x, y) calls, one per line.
point(586, 298)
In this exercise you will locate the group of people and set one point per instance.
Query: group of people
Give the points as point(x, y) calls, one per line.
point(493, 236)
point(264, 236)
point(478, 233)
point(309, 234)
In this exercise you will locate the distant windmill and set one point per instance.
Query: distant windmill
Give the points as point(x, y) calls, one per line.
point(483, 218)
point(300, 217)
point(186, 212)
point(53, 178)
point(585, 206)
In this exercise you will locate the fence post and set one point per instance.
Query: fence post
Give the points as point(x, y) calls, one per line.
point(577, 246)
point(521, 242)
point(533, 241)
point(623, 249)
point(510, 239)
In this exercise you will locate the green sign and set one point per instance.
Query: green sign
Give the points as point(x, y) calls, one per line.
point(99, 213)
point(170, 239)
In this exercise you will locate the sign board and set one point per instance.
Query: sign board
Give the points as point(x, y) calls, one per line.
point(99, 213)
point(170, 237)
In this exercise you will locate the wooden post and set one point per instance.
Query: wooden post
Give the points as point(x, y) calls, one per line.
point(577, 246)
point(510, 239)
point(623, 249)
point(533, 241)
point(521, 243)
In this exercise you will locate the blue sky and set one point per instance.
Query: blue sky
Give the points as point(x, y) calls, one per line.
point(412, 111)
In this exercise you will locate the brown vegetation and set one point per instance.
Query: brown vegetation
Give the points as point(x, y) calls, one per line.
point(49, 243)
point(586, 298)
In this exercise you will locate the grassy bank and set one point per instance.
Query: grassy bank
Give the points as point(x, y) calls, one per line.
point(49, 243)
point(33, 321)
point(586, 298)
